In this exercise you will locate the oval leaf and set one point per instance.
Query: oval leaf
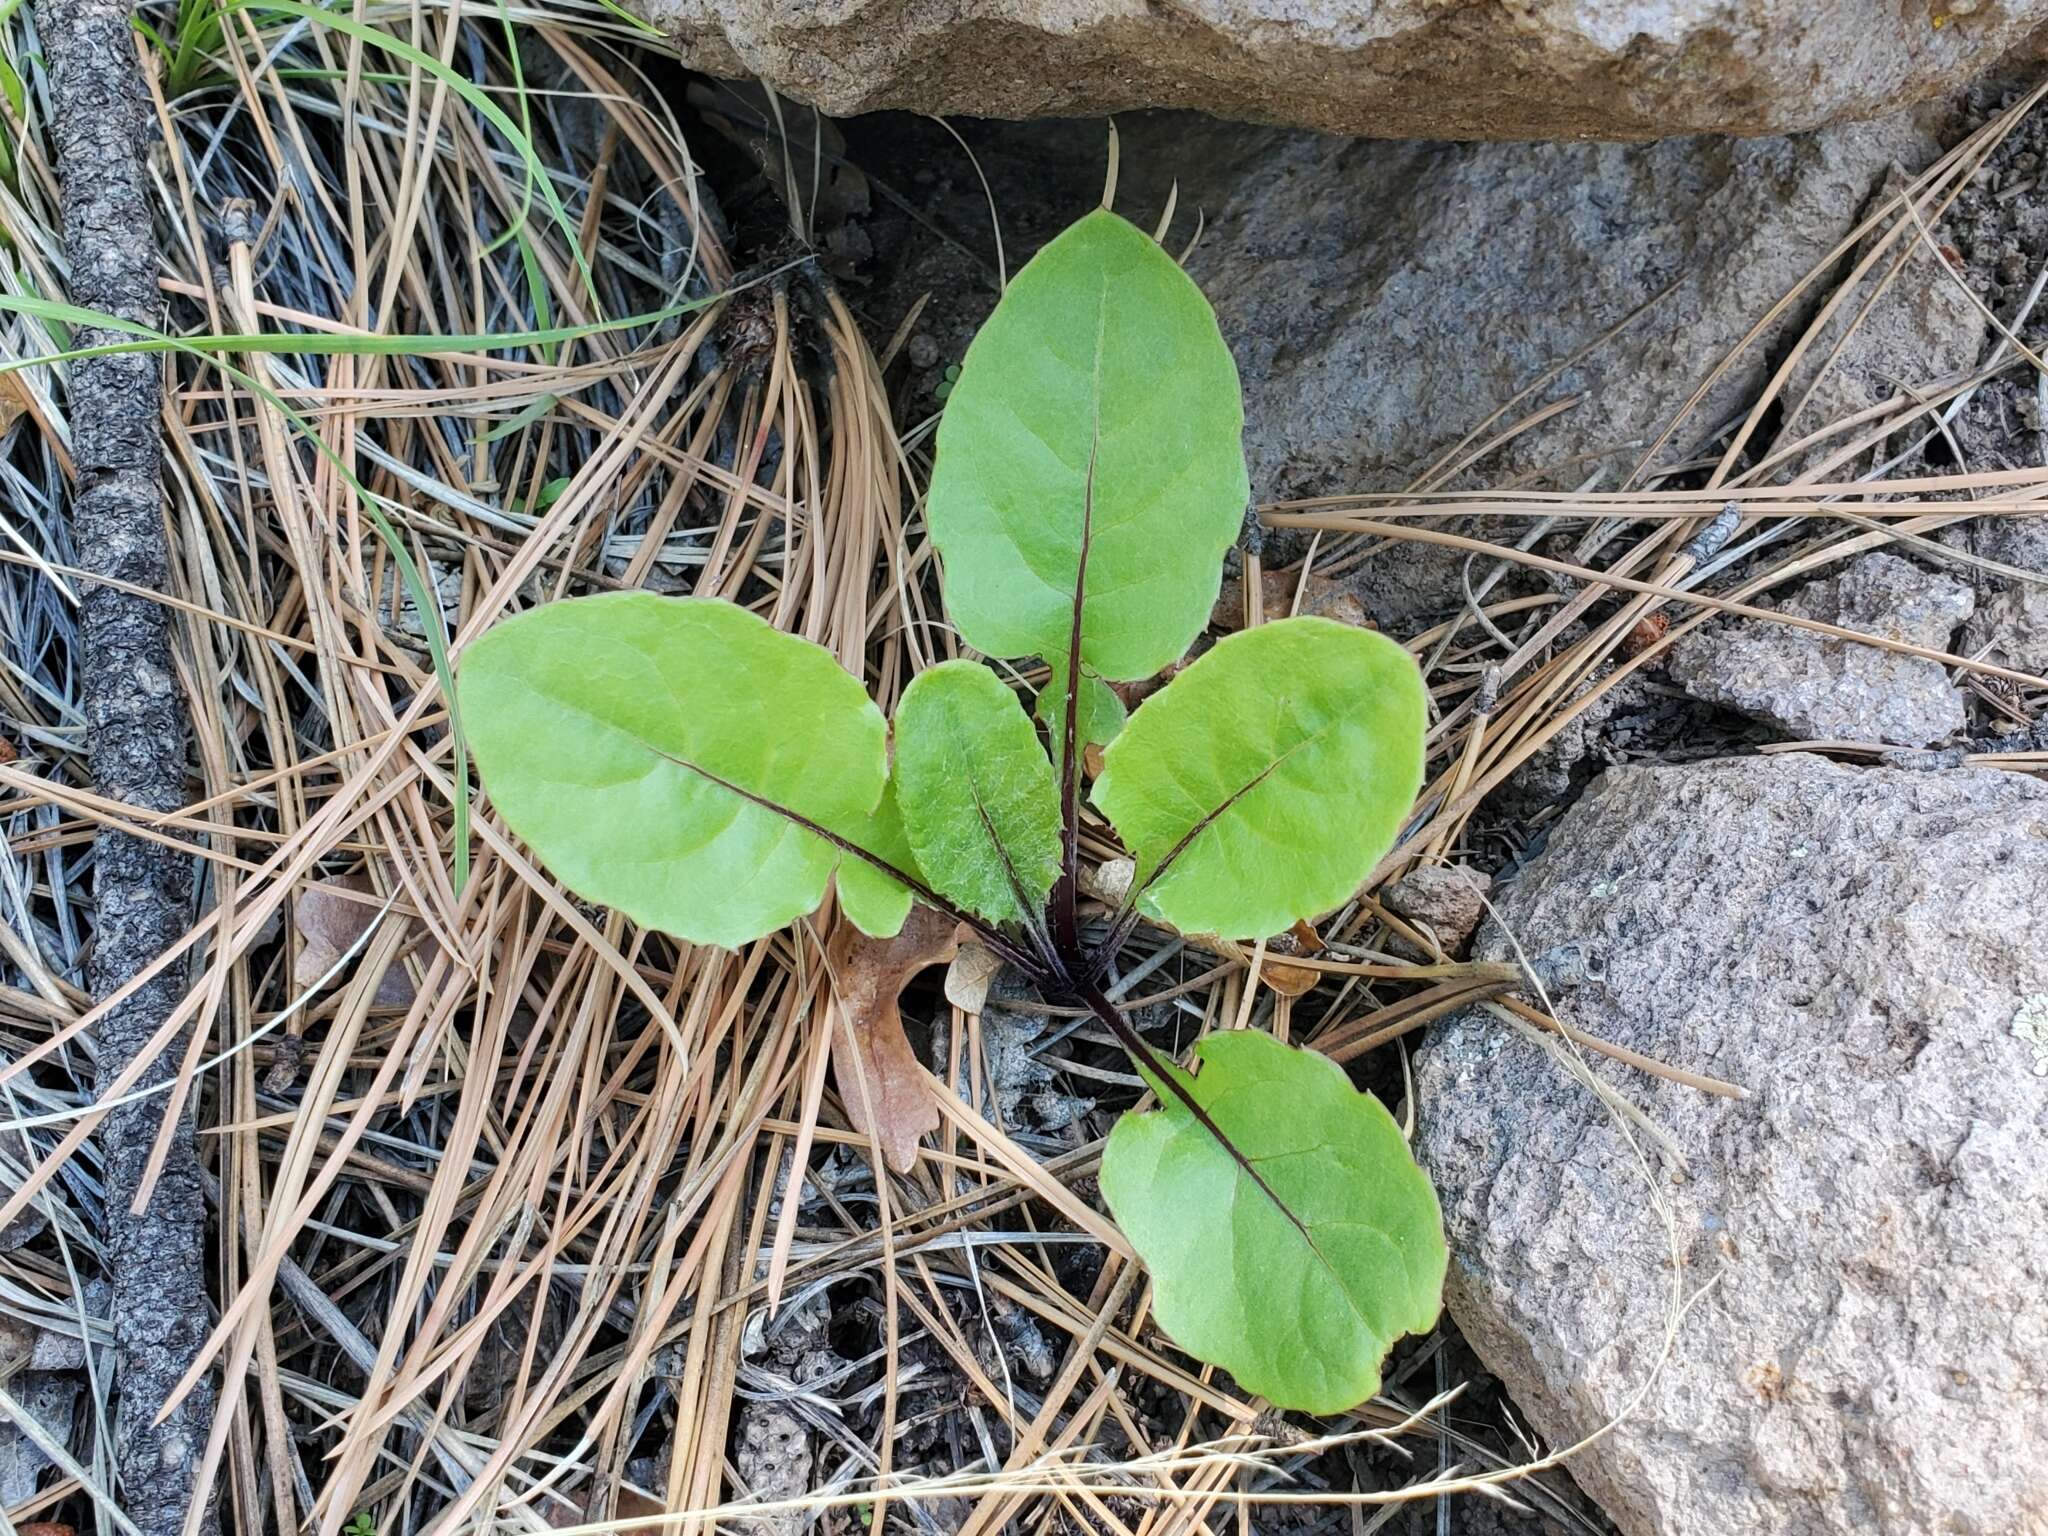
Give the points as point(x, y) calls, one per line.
point(977, 791)
point(603, 727)
point(1097, 402)
point(1299, 1303)
point(1262, 784)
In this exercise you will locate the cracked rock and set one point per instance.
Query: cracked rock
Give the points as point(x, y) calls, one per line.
point(1817, 687)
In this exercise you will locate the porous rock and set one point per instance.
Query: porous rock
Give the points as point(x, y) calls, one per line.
point(1818, 687)
point(1860, 949)
point(1449, 899)
point(2010, 628)
point(1557, 69)
point(773, 1454)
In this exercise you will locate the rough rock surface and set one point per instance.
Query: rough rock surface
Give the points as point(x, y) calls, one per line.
point(1448, 899)
point(1861, 949)
point(1540, 69)
point(1909, 321)
point(2011, 628)
point(1816, 687)
point(1385, 300)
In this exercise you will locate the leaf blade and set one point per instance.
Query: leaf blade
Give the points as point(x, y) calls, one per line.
point(873, 901)
point(1310, 1301)
point(1261, 785)
point(603, 727)
point(1102, 351)
point(979, 799)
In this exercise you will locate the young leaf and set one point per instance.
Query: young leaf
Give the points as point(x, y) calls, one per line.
point(654, 752)
point(1101, 364)
point(872, 901)
point(1100, 715)
point(1262, 784)
point(977, 790)
point(1299, 1304)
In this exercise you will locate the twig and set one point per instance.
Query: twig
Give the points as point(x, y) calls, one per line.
point(142, 891)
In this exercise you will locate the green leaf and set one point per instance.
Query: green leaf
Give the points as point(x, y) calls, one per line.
point(1269, 777)
point(978, 794)
point(599, 724)
point(1101, 712)
point(1302, 1307)
point(872, 902)
point(1102, 359)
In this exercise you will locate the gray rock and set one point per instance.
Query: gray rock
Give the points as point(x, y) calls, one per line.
point(772, 1450)
point(1816, 687)
point(1626, 69)
point(2010, 540)
point(1909, 323)
point(2011, 628)
point(1862, 951)
point(1385, 300)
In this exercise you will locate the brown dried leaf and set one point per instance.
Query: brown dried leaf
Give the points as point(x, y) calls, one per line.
point(1289, 980)
point(329, 923)
point(1108, 882)
point(1292, 980)
point(869, 976)
point(968, 977)
point(13, 406)
point(1647, 632)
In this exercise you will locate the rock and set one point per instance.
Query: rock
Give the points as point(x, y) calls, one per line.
point(772, 1451)
point(1909, 322)
point(1861, 950)
point(1385, 300)
point(1555, 69)
point(2010, 628)
point(1450, 900)
point(1815, 687)
point(1380, 315)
